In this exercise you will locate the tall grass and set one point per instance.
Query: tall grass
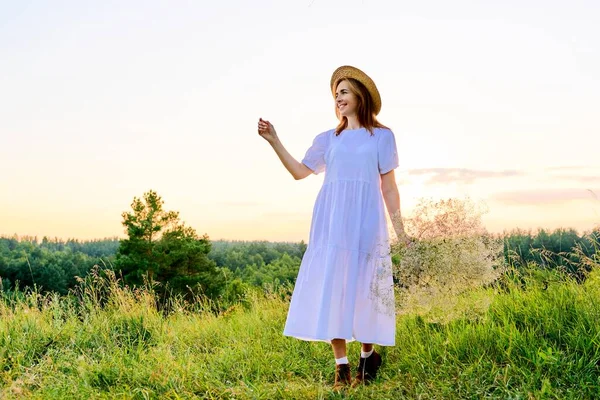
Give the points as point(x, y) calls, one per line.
point(535, 340)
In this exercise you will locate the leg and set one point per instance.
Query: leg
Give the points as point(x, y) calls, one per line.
point(368, 365)
point(367, 347)
point(343, 376)
point(339, 347)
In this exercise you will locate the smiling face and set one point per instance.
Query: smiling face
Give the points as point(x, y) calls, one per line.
point(353, 102)
point(346, 100)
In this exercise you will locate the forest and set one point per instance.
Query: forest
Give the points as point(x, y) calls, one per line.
point(52, 264)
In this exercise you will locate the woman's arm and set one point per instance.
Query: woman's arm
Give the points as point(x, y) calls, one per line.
point(391, 197)
point(297, 169)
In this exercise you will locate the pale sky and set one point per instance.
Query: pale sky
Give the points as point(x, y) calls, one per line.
point(101, 101)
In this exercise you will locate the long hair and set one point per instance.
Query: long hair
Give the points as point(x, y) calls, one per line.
point(364, 110)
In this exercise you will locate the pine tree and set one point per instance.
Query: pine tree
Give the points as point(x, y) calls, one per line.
point(162, 249)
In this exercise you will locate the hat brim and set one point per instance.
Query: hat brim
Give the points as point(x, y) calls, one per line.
point(347, 71)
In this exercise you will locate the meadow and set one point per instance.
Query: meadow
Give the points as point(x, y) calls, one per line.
point(537, 337)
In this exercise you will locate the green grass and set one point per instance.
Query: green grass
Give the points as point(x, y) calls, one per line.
point(532, 342)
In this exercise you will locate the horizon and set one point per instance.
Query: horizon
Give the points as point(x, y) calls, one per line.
point(516, 230)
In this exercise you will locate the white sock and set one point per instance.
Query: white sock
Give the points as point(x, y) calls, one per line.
point(367, 354)
point(343, 360)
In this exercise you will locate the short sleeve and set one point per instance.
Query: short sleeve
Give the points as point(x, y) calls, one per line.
point(387, 152)
point(315, 155)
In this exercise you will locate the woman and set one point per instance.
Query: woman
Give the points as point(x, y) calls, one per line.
point(344, 289)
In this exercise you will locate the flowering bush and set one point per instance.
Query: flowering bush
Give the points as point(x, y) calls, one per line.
point(451, 253)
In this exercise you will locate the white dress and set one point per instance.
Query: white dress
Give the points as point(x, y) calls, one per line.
point(344, 287)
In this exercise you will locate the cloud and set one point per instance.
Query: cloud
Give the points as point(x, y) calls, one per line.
point(544, 196)
point(461, 175)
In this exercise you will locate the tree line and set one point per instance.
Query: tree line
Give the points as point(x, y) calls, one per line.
point(159, 251)
point(562, 249)
point(162, 251)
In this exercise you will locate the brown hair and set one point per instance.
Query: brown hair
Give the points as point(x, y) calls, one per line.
point(366, 115)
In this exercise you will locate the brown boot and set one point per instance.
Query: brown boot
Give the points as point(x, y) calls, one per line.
point(367, 369)
point(343, 377)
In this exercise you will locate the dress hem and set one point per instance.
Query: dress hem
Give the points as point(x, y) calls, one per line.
point(351, 339)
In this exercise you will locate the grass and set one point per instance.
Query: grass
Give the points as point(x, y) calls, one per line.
point(534, 341)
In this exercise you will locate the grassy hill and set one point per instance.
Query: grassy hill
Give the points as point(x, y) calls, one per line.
point(533, 341)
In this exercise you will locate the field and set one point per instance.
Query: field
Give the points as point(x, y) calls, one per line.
point(537, 339)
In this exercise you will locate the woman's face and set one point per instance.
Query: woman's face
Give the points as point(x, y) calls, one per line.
point(345, 100)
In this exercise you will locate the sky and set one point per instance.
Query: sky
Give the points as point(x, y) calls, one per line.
point(102, 101)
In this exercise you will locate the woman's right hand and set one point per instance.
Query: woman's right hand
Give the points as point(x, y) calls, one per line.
point(267, 130)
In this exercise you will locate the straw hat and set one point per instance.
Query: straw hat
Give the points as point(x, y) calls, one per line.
point(347, 71)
